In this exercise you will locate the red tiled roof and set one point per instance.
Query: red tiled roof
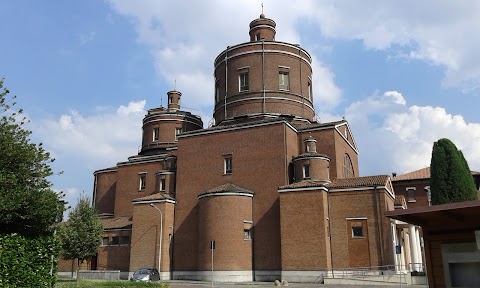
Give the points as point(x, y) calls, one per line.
point(228, 187)
point(156, 196)
point(366, 181)
point(419, 174)
point(376, 180)
point(304, 184)
point(319, 125)
point(116, 223)
point(423, 173)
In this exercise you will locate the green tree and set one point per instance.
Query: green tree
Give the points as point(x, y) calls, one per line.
point(29, 208)
point(28, 205)
point(451, 179)
point(82, 233)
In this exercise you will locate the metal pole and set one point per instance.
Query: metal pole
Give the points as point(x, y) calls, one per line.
point(160, 241)
point(212, 266)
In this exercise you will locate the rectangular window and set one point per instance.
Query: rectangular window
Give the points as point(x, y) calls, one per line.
point(155, 134)
point(162, 185)
point(217, 93)
point(125, 240)
point(309, 91)
point(178, 131)
point(306, 171)
point(243, 81)
point(257, 37)
point(283, 80)
point(247, 234)
point(105, 241)
point(357, 231)
point(142, 182)
point(411, 194)
point(227, 164)
point(115, 240)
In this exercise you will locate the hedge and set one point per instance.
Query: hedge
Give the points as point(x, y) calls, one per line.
point(27, 261)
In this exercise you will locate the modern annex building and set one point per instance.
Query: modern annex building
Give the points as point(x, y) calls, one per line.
point(278, 191)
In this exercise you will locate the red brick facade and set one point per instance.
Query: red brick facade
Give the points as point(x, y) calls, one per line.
point(278, 192)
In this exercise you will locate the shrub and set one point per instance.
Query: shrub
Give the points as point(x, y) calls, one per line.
point(28, 261)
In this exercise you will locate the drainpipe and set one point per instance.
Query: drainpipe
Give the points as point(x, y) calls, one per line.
point(263, 74)
point(330, 233)
point(379, 227)
point(226, 84)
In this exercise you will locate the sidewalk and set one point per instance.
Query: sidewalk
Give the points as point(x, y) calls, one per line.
point(201, 284)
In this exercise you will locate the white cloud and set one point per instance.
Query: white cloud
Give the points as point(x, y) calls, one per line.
point(438, 32)
point(326, 94)
point(98, 140)
point(184, 50)
point(394, 136)
point(85, 38)
point(71, 197)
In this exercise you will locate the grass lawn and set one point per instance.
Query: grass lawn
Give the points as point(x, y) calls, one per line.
point(105, 283)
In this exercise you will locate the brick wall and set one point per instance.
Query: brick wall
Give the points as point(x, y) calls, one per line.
point(304, 230)
point(221, 218)
point(145, 236)
point(259, 165)
point(105, 187)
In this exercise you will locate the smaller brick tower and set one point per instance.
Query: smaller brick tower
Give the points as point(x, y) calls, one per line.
point(311, 165)
point(262, 29)
point(161, 126)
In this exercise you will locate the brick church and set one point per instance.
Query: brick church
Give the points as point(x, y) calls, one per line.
point(278, 191)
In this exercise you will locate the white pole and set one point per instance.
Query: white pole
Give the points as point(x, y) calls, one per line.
point(160, 241)
point(212, 265)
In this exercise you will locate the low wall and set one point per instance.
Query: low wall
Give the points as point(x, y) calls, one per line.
point(100, 275)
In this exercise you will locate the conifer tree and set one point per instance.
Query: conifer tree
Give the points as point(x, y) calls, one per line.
point(450, 177)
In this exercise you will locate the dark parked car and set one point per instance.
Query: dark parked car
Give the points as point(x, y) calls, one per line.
point(145, 274)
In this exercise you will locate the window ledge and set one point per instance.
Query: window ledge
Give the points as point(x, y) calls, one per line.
point(226, 174)
point(358, 237)
point(412, 201)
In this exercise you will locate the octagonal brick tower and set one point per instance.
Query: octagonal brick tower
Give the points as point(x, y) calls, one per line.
point(263, 79)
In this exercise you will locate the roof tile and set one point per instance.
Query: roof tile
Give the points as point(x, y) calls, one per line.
point(376, 180)
point(366, 181)
point(228, 187)
point(156, 196)
point(116, 223)
point(419, 174)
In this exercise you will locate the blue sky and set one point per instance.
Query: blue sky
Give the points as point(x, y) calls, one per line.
point(404, 74)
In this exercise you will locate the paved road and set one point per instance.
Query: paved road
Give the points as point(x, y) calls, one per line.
point(199, 284)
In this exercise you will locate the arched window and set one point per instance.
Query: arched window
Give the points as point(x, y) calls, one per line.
point(347, 167)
